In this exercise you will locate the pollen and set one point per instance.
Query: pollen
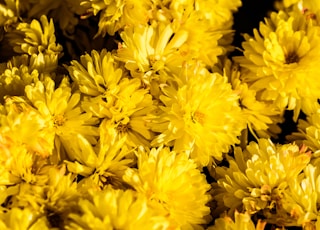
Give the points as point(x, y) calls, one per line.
point(198, 117)
point(59, 120)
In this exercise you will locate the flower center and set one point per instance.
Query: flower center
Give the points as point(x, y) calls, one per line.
point(123, 128)
point(292, 57)
point(58, 120)
point(198, 117)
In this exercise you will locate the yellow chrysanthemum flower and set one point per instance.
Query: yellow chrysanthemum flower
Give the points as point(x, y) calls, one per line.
point(25, 143)
point(131, 116)
point(309, 4)
point(22, 165)
point(14, 79)
point(148, 49)
point(45, 64)
point(261, 116)
point(61, 109)
point(101, 165)
point(111, 94)
point(115, 15)
point(178, 11)
point(310, 107)
point(302, 198)
point(282, 58)
point(202, 41)
point(24, 70)
point(304, 5)
point(54, 199)
point(221, 14)
point(116, 209)
point(219, 20)
point(211, 27)
point(35, 37)
point(308, 8)
point(308, 130)
point(8, 12)
point(255, 179)
point(21, 219)
point(97, 74)
point(241, 221)
point(49, 200)
point(201, 116)
point(173, 185)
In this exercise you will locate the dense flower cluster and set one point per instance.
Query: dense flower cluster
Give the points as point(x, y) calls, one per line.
point(137, 115)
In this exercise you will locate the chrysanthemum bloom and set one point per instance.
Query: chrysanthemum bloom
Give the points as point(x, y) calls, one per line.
point(131, 116)
point(172, 184)
point(116, 209)
point(23, 70)
point(103, 164)
point(204, 26)
point(262, 116)
point(311, 9)
point(22, 165)
point(282, 59)
point(221, 14)
point(307, 7)
point(257, 177)
point(22, 218)
point(98, 75)
point(35, 37)
point(14, 79)
point(54, 199)
point(25, 143)
point(302, 198)
point(60, 107)
point(8, 13)
point(45, 64)
point(150, 50)
point(109, 93)
point(219, 20)
point(241, 221)
point(202, 41)
point(115, 15)
point(201, 116)
point(309, 130)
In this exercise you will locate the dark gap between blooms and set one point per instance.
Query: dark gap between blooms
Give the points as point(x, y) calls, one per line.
point(247, 18)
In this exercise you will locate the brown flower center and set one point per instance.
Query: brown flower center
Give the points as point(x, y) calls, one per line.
point(123, 128)
point(292, 57)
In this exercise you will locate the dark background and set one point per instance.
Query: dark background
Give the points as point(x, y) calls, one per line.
point(248, 18)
